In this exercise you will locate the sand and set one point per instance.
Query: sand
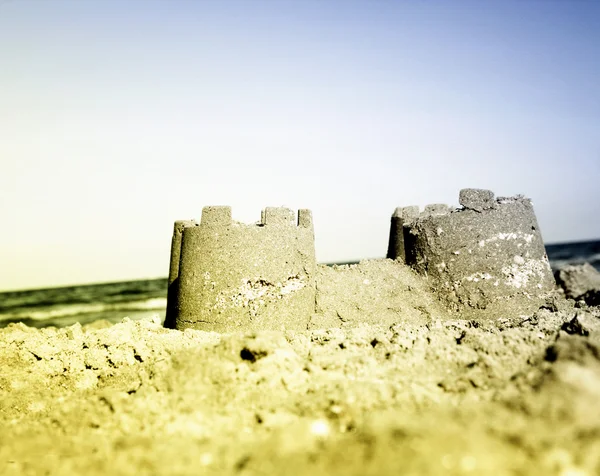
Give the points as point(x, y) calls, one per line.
point(383, 382)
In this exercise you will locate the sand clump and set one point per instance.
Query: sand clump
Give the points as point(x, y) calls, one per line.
point(580, 282)
point(382, 382)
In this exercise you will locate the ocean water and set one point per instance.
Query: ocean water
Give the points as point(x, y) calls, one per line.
point(147, 298)
point(574, 253)
point(84, 304)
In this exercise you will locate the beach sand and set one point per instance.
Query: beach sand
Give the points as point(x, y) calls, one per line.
point(383, 382)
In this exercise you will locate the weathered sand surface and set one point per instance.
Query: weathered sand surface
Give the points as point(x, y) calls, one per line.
point(415, 394)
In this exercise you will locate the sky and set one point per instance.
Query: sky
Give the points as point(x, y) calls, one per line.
point(118, 117)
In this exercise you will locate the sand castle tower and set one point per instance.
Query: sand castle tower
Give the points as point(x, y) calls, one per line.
point(485, 260)
point(228, 276)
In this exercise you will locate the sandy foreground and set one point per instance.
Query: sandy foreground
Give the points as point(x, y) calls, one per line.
point(384, 382)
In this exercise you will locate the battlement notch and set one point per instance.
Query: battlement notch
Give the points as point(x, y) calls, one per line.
point(216, 216)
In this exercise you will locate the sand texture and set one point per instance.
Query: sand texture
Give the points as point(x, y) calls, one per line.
point(383, 381)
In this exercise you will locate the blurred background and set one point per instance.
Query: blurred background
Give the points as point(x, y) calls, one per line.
point(119, 117)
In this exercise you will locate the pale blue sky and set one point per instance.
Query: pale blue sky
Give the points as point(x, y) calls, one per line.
point(119, 117)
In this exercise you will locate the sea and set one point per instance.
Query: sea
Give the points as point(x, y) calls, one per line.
point(112, 302)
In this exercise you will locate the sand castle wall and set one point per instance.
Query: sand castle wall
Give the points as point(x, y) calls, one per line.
point(486, 260)
point(233, 276)
point(173, 279)
point(401, 215)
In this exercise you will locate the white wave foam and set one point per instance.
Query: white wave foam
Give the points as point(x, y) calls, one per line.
point(76, 309)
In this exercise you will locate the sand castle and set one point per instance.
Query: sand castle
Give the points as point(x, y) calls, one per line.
point(226, 275)
point(484, 261)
